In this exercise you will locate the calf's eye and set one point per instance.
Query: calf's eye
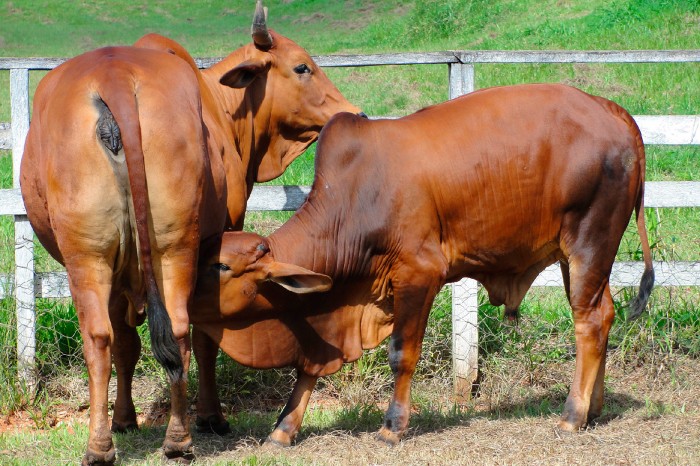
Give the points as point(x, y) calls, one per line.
point(221, 267)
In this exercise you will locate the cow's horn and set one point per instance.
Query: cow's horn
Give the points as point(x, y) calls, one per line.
point(261, 36)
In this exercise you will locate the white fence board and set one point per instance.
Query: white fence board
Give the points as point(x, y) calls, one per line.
point(656, 129)
point(441, 57)
point(630, 274)
point(669, 129)
point(270, 197)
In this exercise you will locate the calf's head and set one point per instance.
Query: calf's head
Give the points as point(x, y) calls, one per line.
point(232, 268)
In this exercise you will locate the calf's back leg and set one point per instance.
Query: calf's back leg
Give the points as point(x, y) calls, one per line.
point(593, 314)
point(586, 274)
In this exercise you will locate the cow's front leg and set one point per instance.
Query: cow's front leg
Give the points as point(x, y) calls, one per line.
point(210, 418)
point(289, 422)
point(412, 305)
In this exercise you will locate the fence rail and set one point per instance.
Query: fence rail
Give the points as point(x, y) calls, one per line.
point(656, 129)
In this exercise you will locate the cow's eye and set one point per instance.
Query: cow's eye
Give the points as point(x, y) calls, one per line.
point(221, 267)
point(302, 69)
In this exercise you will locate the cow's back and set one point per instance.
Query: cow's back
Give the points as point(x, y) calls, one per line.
point(493, 174)
point(513, 162)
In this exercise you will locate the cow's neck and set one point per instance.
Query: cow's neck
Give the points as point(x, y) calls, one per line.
point(322, 240)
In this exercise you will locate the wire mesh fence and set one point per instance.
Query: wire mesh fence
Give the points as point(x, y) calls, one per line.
point(543, 333)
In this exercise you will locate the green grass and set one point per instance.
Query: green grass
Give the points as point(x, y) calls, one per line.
point(545, 335)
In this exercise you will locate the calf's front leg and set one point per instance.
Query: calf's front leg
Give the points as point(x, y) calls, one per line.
point(289, 422)
point(411, 308)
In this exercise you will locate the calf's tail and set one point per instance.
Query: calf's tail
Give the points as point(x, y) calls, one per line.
point(118, 126)
point(640, 301)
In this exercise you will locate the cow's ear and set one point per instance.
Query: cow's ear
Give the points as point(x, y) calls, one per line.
point(244, 74)
point(298, 279)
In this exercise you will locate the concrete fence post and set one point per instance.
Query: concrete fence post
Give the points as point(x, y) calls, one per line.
point(24, 236)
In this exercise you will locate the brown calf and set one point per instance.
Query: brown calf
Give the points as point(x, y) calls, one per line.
point(495, 185)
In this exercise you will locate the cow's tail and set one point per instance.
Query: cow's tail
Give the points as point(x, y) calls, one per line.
point(639, 303)
point(118, 126)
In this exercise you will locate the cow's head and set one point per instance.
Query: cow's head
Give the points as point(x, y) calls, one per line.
point(233, 266)
point(291, 98)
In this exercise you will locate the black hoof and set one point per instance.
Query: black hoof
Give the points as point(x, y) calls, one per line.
point(124, 428)
point(213, 425)
point(182, 456)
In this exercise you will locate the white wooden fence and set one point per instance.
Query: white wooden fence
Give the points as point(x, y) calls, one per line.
point(683, 130)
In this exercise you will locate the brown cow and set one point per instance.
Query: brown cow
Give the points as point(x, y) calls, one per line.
point(132, 158)
point(495, 186)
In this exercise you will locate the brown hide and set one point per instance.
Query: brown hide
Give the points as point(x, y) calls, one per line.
point(495, 185)
point(133, 156)
point(258, 113)
point(313, 334)
point(102, 206)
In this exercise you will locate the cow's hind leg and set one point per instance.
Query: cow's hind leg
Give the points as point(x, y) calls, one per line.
point(412, 303)
point(177, 291)
point(593, 314)
point(125, 351)
point(210, 418)
point(289, 422)
point(90, 286)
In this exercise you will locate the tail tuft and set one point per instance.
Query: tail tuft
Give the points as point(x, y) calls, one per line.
point(639, 303)
point(163, 343)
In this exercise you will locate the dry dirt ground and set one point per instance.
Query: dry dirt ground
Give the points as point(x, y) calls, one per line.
point(652, 416)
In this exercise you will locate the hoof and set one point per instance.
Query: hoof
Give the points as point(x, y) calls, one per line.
point(279, 438)
point(389, 437)
point(119, 428)
point(213, 425)
point(99, 458)
point(185, 459)
point(567, 427)
point(181, 452)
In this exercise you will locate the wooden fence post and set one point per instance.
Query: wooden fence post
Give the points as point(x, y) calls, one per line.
point(461, 79)
point(24, 236)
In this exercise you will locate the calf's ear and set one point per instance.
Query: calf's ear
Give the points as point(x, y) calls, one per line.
point(298, 279)
point(244, 74)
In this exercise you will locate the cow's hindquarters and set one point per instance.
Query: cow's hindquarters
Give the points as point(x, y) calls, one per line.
point(113, 181)
point(590, 237)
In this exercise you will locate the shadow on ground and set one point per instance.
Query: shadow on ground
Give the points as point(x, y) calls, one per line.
point(250, 428)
